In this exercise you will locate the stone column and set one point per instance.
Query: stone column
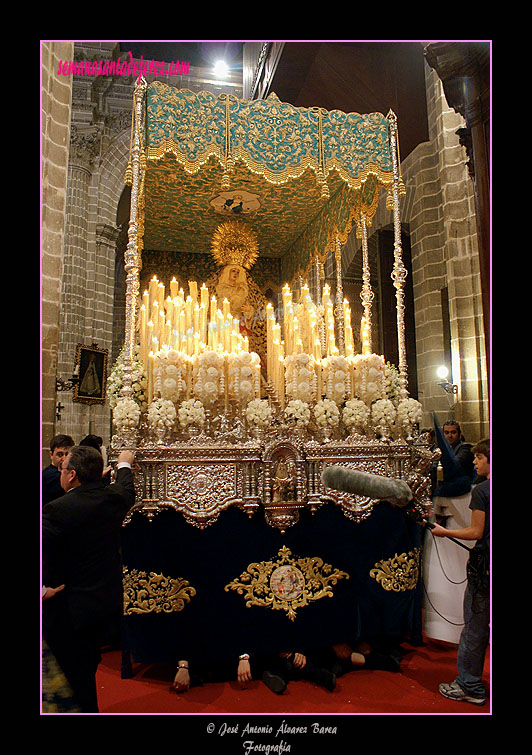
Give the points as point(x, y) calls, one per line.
point(56, 107)
point(83, 148)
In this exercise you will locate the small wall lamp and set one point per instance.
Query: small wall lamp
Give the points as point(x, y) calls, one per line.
point(442, 372)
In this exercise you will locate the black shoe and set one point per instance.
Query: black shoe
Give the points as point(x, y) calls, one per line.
point(382, 662)
point(276, 683)
point(324, 678)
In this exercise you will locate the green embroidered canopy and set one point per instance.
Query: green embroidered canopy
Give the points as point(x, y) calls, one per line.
point(300, 177)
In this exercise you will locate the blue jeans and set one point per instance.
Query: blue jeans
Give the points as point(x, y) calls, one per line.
point(474, 641)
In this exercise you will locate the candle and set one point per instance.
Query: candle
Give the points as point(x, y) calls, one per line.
point(160, 294)
point(168, 334)
point(142, 329)
point(214, 307)
point(320, 378)
point(161, 326)
point(226, 307)
point(270, 319)
point(203, 320)
point(146, 300)
point(193, 290)
point(150, 376)
point(169, 307)
point(204, 295)
point(155, 317)
point(281, 379)
point(174, 287)
point(196, 318)
point(188, 312)
point(152, 286)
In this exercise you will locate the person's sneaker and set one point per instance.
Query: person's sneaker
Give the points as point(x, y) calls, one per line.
point(454, 692)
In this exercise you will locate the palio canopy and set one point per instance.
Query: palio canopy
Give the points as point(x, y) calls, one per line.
point(300, 177)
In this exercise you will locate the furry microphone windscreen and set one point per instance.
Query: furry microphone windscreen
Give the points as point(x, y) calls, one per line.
point(366, 484)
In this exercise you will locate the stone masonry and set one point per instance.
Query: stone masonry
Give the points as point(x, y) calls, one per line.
point(439, 211)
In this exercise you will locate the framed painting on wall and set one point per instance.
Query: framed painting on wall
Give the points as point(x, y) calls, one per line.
point(91, 367)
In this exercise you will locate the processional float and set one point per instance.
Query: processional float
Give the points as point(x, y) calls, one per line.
point(236, 405)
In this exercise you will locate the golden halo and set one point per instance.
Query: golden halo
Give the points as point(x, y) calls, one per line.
point(235, 243)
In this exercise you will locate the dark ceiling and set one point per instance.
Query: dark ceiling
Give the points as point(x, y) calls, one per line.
point(360, 77)
point(200, 54)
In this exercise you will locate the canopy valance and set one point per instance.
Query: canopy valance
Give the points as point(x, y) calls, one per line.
point(300, 177)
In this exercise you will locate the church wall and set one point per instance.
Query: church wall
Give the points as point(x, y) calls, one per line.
point(439, 212)
point(56, 105)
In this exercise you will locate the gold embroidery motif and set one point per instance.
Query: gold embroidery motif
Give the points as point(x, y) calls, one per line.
point(154, 593)
point(287, 583)
point(398, 574)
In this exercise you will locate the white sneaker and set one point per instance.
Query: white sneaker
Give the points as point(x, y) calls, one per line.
point(454, 692)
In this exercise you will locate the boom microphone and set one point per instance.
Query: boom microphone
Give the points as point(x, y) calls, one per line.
point(366, 484)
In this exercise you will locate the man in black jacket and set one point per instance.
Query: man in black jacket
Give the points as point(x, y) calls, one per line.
point(81, 550)
point(60, 445)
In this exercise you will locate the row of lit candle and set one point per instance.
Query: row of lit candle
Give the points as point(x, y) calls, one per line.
point(192, 324)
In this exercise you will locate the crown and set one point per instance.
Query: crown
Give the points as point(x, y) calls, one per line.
point(234, 243)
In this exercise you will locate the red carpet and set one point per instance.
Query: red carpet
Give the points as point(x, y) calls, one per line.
point(412, 691)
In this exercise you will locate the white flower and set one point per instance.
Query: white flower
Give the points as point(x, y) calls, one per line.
point(392, 382)
point(126, 413)
point(298, 412)
point(337, 384)
point(409, 414)
point(191, 412)
point(326, 413)
point(246, 387)
point(259, 412)
point(300, 377)
point(161, 414)
point(383, 412)
point(369, 383)
point(355, 413)
point(139, 382)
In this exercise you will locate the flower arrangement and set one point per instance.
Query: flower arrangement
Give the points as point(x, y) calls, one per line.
point(383, 415)
point(244, 375)
point(139, 381)
point(300, 377)
point(337, 378)
point(392, 383)
point(326, 413)
point(369, 378)
point(409, 414)
point(355, 414)
point(191, 412)
point(126, 414)
point(209, 376)
point(169, 370)
point(259, 413)
point(297, 412)
point(161, 414)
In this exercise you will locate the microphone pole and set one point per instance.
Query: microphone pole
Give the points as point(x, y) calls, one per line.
point(413, 513)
